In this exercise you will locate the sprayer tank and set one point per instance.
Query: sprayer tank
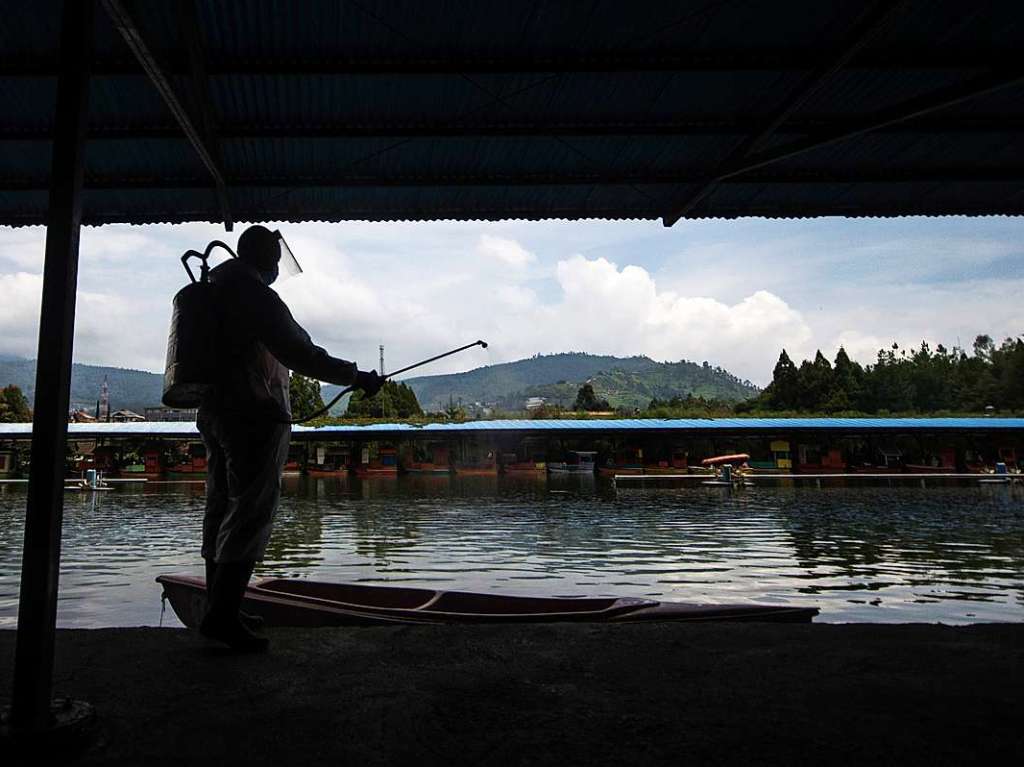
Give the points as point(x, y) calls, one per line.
point(191, 346)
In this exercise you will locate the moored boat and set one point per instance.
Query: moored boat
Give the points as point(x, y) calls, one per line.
point(422, 467)
point(510, 464)
point(196, 467)
point(476, 469)
point(380, 463)
point(326, 471)
point(737, 459)
point(291, 602)
point(577, 462)
point(366, 471)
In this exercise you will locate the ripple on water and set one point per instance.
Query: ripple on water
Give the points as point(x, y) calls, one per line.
point(953, 554)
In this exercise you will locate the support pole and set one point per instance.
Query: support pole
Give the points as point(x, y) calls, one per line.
point(37, 606)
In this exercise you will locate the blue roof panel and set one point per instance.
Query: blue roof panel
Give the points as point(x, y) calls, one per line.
point(681, 425)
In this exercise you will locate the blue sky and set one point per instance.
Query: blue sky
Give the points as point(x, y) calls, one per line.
point(730, 292)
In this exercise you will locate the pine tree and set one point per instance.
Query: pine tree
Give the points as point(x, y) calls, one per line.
point(848, 393)
point(588, 401)
point(394, 400)
point(783, 393)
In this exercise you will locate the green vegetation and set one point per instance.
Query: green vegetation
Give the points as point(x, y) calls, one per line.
point(394, 400)
point(626, 382)
point(588, 401)
point(690, 407)
point(915, 381)
point(575, 385)
point(304, 394)
point(14, 407)
point(132, 389)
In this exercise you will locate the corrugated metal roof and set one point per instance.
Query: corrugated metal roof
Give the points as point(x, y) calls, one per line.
point(633, 425)
point(551, 109)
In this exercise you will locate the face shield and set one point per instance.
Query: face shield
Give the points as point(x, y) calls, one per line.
point(288, 266)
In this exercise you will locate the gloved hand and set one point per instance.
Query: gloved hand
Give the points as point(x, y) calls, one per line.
point(370, 382)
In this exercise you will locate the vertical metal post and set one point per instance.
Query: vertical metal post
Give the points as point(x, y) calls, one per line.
point(37, 606)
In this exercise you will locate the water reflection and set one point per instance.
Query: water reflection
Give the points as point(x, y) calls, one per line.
point(899, 553)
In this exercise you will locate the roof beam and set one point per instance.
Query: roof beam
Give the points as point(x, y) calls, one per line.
point(900, 113)
point(858, 175)
point(876, 17)
point(282, 210)
point(751, 60)
point(683, 127)
point(188, 22)
point(132, 35)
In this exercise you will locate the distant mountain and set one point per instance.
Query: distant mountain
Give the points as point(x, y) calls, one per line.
point(129, 389)
point(623, 381)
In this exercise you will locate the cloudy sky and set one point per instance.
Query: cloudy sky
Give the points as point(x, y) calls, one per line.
point(730, 292)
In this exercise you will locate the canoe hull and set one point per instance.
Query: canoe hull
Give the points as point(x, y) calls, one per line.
point(284, 602)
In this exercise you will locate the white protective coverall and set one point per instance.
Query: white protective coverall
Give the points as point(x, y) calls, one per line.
point(243, 420)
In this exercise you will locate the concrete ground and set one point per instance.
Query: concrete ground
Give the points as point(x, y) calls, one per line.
point(558, 695)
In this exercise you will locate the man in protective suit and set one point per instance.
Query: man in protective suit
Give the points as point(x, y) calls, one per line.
point(244, 422)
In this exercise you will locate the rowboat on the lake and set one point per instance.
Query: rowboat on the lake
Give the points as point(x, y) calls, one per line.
point(294, 602)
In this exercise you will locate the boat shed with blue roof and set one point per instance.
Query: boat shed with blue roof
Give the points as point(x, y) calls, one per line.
point(596, 428)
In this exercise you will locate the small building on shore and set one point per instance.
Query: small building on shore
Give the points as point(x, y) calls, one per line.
point(126, 416)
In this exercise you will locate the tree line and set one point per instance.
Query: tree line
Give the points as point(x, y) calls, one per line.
point(14, 407)
point(921, 380)
point(394, 400)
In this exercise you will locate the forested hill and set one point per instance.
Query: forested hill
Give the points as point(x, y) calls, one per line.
point(129, 389)
point(623, 381)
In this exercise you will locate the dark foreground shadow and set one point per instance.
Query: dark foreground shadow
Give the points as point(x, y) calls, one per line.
point(627, 694)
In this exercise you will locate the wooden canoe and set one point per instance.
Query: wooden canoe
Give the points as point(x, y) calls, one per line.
point(293, 602)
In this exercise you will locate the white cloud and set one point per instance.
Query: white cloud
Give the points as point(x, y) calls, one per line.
point(101, 320)
point(733, 293)
point(505, 251)
point(614, 311)
point(19, 319)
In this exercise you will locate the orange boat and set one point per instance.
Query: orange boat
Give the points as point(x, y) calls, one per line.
point(424, 467)
point(435, 459)
point(365, 471)
point(325, 471)
point(510, 464)
point(291, 602)
point(193, 467)
point(736, 459)
point(384, 465)
point(476, 470)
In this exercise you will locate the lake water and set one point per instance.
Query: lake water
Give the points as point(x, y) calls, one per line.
point(953, 554)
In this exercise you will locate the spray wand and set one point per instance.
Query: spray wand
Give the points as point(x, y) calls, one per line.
point(343, 392)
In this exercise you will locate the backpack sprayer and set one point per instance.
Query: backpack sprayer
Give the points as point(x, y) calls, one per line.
point(192, 345)
point(193, 352)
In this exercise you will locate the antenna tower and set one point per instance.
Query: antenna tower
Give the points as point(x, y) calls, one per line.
point(104, 408)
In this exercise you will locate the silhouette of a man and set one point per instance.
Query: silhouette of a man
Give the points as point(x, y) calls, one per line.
point(244, 423)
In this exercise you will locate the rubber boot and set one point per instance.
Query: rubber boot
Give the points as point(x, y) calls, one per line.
point(251, 622)
point(211, 575)
point(222, 621)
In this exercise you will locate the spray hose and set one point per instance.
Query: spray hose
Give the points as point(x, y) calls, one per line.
point(326, 408)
